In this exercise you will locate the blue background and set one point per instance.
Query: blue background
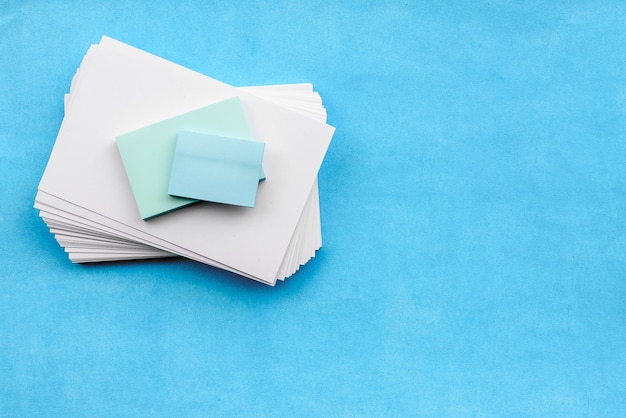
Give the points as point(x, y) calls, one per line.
point(473, 206)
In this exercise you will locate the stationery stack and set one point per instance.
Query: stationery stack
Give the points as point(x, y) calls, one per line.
point(155, 160)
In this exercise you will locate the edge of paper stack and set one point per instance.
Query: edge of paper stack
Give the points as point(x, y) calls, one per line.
point(86, 201)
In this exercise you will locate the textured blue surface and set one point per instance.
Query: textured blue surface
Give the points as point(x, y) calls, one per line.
point(474, 217)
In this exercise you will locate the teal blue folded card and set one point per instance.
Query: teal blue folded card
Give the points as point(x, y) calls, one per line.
point(216, 168)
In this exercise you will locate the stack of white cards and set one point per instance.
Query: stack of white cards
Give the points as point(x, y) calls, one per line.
point(86, 200)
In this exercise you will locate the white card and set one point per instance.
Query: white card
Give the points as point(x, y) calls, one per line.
point(121, 89)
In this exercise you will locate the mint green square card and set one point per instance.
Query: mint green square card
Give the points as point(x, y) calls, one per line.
point(148, 152)
point(216, 168)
